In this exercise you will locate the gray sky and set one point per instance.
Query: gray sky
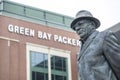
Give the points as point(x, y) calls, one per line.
point(107, 11)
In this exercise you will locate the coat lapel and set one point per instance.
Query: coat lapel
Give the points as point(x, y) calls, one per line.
point(87, 43)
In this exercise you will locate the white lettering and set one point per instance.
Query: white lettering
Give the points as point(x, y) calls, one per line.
point(44, 35)
point(73, 42)
point(16, 29)
point(39, 34)
point(32, 32)
point(20, 30)
point(49, 36)
point(65, 40)
point(27, 31)
point(10, 28)
point(60, 39)
point(55, 37)
point(69, 41)
point(78, 43)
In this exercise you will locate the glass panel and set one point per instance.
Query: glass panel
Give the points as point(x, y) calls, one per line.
point(64, 64)
point(39, 76)
point(54, 18)
point(39, 59)
point(55, 25)
point(17, 9)
point(46, 61)
point(34, 13)
point(59, 68)
point(58, 77)
point(52, 77)
point(52, 62)
point(39, 66)
point(68, 21)
point(58, 63)
point(46, 76)
point(33, 75)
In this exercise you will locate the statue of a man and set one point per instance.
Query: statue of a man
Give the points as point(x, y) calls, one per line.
point(95, 57)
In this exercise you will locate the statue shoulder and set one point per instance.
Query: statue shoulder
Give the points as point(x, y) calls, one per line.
point(112, 51)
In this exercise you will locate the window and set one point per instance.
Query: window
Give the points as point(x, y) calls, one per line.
point(39, 65)
point(59, 68)
point(39, 76)
point(58, 63)
point(45, 63)
point(39, 59)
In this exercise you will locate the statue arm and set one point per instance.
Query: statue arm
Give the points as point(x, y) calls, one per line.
point(111, 49)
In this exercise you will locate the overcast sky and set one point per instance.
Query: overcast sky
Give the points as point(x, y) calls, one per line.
point(107, 11)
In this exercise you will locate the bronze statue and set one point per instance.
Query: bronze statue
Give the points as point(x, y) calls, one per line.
point(96, 55)
point(112, 52)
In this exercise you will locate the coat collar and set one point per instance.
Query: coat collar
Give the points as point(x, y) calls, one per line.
point(87, 43)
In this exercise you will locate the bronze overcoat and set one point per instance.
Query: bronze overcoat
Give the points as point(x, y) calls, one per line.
point(92, 64)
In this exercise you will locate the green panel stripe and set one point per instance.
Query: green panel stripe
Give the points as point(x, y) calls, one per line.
point(38, 69)
point(56, 72)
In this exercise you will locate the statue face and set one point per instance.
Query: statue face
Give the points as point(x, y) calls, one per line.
point(84, 27)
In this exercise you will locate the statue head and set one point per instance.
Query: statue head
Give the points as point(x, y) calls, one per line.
point(84, 24)
point(84, 15)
